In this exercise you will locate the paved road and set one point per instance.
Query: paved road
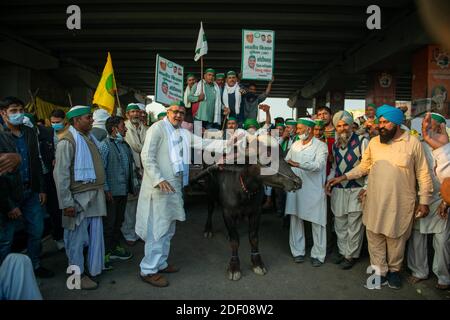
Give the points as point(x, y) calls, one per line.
point(203, 264)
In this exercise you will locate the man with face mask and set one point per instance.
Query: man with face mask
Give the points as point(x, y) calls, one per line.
point(80, 177)
point(58, 124)
point(251, 99)
point(57, 117)
point(34, 196)
point(308, 157)
point(120, 175)
point(393, 161)
point(346, 197)
point(136, 132)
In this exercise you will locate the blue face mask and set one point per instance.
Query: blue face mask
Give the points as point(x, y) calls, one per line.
point(58, 126)
point(16, 119)
point(119, 137)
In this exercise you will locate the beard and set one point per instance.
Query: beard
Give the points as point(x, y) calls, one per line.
point(343, 138)
point(135, 120)
point(387, 135)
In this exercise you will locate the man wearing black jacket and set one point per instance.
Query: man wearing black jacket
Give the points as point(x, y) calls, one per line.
point(47, 146)
point(10, 182)
point(34, 197)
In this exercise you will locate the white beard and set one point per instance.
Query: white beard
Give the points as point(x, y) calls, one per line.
point(342, 139)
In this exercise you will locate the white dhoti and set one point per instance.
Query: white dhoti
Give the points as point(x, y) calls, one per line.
point(129, 223)
point(89, 233)
point(17, 280)
point(418, 255)
point(297, 239)
point(156, 251)
point(348, 221)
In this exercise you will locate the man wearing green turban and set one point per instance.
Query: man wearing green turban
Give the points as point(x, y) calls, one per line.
point(135, 137)
point(207, 93)
point(190, 80)
point(220, 79)
point(436, 223)
point(319, 129)
point(80, 178)
point(308, 158)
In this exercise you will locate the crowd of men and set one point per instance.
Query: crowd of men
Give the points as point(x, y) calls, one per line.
point(104, 178)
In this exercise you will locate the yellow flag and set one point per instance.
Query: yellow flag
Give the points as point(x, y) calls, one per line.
point(104, 95)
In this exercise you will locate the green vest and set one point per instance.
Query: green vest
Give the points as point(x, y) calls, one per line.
point(77, 186)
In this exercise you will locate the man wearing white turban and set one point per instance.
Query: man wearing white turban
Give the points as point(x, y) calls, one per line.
point(98, 127)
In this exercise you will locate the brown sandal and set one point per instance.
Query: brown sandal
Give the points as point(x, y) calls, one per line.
point(169, 269)
point(442, 286)
point(414, 280)
point(156, 280)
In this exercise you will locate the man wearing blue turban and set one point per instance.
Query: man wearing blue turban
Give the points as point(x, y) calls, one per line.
point(393, 161)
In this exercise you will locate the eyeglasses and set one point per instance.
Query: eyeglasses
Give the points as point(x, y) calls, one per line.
point(175, 112)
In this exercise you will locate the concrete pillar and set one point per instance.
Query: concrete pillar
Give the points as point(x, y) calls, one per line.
point(381, 88)
point(319, 101)
point(15, 81)
point(335, 100)
point(431, 80)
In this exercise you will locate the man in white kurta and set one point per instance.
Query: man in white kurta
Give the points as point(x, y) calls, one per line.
point(308, 157)
point(440, 144)
point(136, 131)
point(435, 224)
point(345, 197)
point(165, 159)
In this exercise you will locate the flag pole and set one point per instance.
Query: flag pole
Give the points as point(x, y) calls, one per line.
point(70, 99)
point(201, 74)
point(117, 96)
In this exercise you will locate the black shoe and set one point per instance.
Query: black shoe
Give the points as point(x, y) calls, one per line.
point(299, 259)
point(383, 282)
point(347, 264)
point(339, 258)
point(394, 280)
point(316, 262)
point(43, 273)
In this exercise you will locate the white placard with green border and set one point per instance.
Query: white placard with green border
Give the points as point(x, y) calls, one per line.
point(169, 81)
point(258, 48)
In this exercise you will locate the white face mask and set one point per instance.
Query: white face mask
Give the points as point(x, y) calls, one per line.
point(303, 136)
